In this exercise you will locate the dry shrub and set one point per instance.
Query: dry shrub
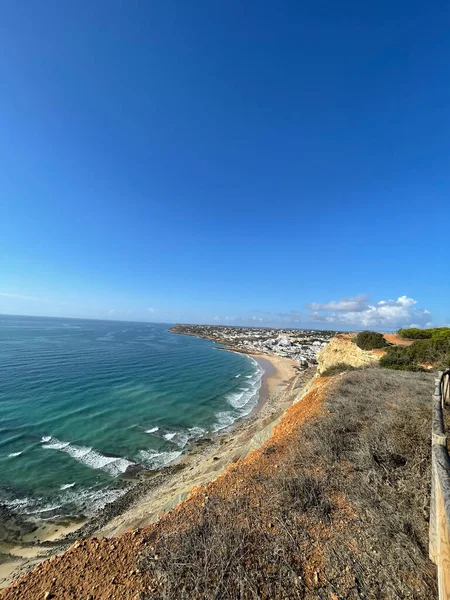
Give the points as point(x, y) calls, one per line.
point(342, 511)
point(227, 553)
point(382, 465)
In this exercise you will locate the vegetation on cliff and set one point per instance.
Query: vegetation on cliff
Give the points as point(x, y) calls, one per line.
point(338, 368)
point(370, 340)
point(337, 512)
point(432, 346)
point(414, 333)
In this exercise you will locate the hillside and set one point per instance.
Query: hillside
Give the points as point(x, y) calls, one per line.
point(333, 505)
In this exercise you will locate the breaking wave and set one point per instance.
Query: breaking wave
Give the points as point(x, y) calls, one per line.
point(156, 460)
point(112, 465)
point(66, 486)
point(88, 501)
point(242, 400)
point(179, 438)
point(146, 391)
point(249, 394)
point(224, 420)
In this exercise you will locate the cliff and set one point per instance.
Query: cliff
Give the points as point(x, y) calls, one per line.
point(111, 568)
point(316, 512)
point(341, 350)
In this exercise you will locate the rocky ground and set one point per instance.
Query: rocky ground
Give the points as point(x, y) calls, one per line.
point(13, 526)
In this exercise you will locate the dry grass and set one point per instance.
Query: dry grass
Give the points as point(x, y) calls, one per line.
point(341, 513)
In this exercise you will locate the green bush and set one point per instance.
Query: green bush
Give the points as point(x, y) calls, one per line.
point(421, 351)
point(399, 358)
point(369, 340)
point(336, 369)
point(443, 333)
point(413, 333)
point(434, 350)
point(445, 363)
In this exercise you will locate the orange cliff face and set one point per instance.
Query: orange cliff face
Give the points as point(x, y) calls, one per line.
point(109, 568)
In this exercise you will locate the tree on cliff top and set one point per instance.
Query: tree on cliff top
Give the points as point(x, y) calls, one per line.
point(369, 340)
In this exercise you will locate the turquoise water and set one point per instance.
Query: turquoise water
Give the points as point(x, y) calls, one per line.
point(82, 402)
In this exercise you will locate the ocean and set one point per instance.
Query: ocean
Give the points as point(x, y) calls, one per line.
point(84, 402)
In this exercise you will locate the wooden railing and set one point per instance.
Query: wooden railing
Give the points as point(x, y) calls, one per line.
point(439, 547)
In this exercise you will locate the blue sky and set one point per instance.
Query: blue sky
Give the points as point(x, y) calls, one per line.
point(248, 162)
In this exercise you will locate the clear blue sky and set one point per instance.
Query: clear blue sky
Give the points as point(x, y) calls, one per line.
point(269, 162)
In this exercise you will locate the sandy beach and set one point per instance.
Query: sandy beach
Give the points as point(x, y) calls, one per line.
point(147, 501)
point(208, 460)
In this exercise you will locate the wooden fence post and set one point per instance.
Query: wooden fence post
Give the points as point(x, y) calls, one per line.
point(439, 542)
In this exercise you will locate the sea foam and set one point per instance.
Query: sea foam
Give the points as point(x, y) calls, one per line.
point(89, 500)
point(224, 419)
point(179, 438)
point(156, 460)
point(243, 400)
point(112, 465)
point(66, 486)
point(196, 432)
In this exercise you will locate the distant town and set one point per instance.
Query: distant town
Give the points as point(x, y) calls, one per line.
point(300, 345)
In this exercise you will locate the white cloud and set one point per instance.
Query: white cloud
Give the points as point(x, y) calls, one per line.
point(356, 304)
point(150, 309)
point(385, 314)
point(111, 311)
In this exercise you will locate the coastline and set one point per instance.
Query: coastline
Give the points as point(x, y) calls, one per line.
point(210, 457)
point(159, 492)
point(259, 517)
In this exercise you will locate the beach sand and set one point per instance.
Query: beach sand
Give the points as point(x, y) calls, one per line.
point(31, 549)
point(281, 383)
point(209, 461)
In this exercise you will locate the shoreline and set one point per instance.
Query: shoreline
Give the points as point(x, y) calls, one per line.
point(160, 491)
point(209, 457)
